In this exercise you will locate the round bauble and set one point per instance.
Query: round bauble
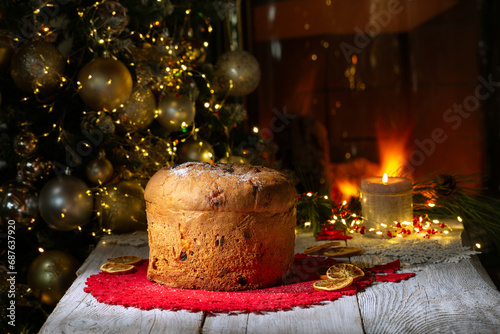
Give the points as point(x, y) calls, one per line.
point(105, 83)
point(176, 113)
point(121, 207)
point(239, 68)
point(19, 203)
point(195, 150)
point(38, 68)
point(33, 170)
point(25, 143)
point(51, 274)
point(138, 112)
point(64, 203)
point(99, 170)
point(144, 74)
point(6, 50)
point(111, 17)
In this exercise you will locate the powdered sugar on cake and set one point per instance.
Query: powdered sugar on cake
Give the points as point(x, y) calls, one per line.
point(195, 169)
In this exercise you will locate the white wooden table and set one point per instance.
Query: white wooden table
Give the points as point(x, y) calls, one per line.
point(441, 298)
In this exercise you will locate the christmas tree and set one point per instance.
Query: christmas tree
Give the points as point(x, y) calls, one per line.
point(96, 96)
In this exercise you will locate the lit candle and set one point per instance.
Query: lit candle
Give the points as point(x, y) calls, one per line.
point(385, 200)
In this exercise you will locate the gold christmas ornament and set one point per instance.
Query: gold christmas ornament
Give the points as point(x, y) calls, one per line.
point(99, 170)
point(38, 68)
point(19, 202)
point(64, 203)
point(236, 73)
point(176, 113)
point(195, 150)
point(33, 170)
point(51, 274)
point(138, 112)
point(111, 17)
point(121, 207)
point(105, 83)
point(6, 50)
point(25, 143)
point(143, 74)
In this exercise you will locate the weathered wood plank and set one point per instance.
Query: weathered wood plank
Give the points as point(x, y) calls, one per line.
point(225, 324)
point(79, 312)
point(339, 316)
point(441, 298)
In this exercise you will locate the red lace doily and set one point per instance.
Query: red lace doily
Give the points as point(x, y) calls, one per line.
point(135, 290)
point(327, 234)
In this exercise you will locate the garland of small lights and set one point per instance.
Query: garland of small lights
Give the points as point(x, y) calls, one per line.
point(443, 196)
point(344, 218)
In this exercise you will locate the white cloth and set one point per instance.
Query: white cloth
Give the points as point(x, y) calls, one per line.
point(415, 250)
point(137, 239)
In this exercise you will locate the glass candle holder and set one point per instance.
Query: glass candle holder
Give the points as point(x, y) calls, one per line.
point(383, 203)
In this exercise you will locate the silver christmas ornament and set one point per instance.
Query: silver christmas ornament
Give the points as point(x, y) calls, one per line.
point(236, 73)
point(138, 112)
point(64, 203)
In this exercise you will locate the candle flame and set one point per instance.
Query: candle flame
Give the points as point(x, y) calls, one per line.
point(385, 178)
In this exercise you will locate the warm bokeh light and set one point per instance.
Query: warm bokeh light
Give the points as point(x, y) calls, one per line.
point(347, 188)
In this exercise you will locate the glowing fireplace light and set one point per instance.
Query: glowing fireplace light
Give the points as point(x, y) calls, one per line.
point(393, 158)
point(393, 149)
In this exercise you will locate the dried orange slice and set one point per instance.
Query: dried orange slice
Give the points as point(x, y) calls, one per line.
point(116, 268)
point(126, 259)
point(319, 248)
point(332, 284)
point(343, 251)
point(344, 270)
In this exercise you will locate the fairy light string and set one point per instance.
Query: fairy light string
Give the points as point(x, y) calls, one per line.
point(345, 218)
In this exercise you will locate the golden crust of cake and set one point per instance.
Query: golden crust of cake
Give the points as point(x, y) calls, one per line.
point(220, 187)
point(220, 227)
point(224, 251)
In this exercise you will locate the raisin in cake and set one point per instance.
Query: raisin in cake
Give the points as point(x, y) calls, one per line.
point(223, 227)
